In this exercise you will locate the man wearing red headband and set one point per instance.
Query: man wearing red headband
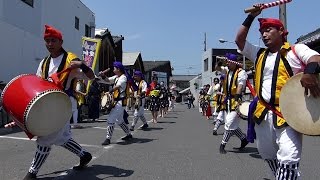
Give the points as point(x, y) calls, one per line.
point(233, 85)
point(57, 61)
point(278, 144)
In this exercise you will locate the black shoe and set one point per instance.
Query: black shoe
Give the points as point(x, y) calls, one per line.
point(222, 151)
point(132, 128)
point(244, 143)
point(127, 137)
point(214, 132)
point(106, 142)
point(84, 160)
point(145, 126)
point(30, 176)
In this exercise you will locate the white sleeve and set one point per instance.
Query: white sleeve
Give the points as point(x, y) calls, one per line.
point(210, 91)
point(122, 82)
point(39, 70)
point(144, 86)
point(242, 77)
point(216, 87)
point(112, 79)
point(304, 53)
point(250, 51)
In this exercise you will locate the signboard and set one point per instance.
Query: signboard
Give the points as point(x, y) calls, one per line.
point(90, 53)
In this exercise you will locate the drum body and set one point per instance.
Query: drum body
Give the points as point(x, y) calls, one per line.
point(107, 103)
point(300, 111)
point(243, 110)
point(37, 106)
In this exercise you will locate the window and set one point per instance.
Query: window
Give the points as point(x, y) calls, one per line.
point(76, 22)
point(214, 60)
point(205, 65)
point(29, 2)
point(87, 31)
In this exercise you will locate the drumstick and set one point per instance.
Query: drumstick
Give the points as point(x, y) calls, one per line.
point(104, 72)
point(267, 5)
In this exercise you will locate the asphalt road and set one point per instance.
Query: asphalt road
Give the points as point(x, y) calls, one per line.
point(179, 147)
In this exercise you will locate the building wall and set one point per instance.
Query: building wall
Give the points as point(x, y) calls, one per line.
point(208, 75)
point(22, 28)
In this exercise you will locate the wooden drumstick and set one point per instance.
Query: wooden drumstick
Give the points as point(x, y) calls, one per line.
point(104, 72)
point(267, 5)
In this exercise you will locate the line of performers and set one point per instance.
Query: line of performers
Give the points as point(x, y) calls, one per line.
point(59, 60)
point(279, 145)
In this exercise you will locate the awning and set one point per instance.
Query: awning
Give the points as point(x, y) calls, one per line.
point(185, 90)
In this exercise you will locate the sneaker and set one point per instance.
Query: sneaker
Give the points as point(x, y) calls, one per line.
point(84, 160)
point(214, 132)
point(144, 126)
point(222, 150)
point(127, 137)
point(132, 128)
point(30, 176)
point(244, 143)
point(106, 142)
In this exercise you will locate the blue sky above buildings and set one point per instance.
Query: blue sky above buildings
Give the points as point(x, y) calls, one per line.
point(174, 29)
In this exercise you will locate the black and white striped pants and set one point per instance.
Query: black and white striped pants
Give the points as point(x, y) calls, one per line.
point(284, 171)
point(43, 152)
point(228, 133)
point(110, 129)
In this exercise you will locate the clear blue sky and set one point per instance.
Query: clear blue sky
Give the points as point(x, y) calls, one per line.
point(174, 29)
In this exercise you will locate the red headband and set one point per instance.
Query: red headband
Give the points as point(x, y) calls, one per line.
point(270, 22)
point(52, 32)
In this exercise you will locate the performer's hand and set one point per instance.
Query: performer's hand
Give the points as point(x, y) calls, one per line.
point(311, 82)
point(10, 125)
point(75, 64)
point(259, 7)
point(102, 75)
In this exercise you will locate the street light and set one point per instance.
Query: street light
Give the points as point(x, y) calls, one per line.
point(244, 58)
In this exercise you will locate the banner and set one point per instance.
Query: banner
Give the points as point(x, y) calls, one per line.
point(90, 53)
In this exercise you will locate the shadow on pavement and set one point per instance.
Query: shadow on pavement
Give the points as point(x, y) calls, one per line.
point(91, 172)
point(151, 128)
point(255, 155)
point(170, 117)
point(246, 150)
point(166, 122)
point(253, 152)
point(135, 141)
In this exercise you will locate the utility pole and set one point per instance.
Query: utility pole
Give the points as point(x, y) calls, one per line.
point(205, 42)
point(283, 15)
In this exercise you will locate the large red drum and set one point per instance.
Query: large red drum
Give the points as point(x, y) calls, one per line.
point(37, 106)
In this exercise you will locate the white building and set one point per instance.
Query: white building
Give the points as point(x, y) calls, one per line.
point(209, 61)
point(22, 26)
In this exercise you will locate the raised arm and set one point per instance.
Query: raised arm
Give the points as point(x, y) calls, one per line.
point(244, 29)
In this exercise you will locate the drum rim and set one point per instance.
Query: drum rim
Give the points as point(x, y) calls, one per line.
point(106, 95)
point(10, 82)
point(239, 112)
point(34, 99)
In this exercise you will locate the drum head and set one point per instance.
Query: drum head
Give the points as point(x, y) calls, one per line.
point(48, 113)
point(301, 112)
point(104, 100)
point(244, 109)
